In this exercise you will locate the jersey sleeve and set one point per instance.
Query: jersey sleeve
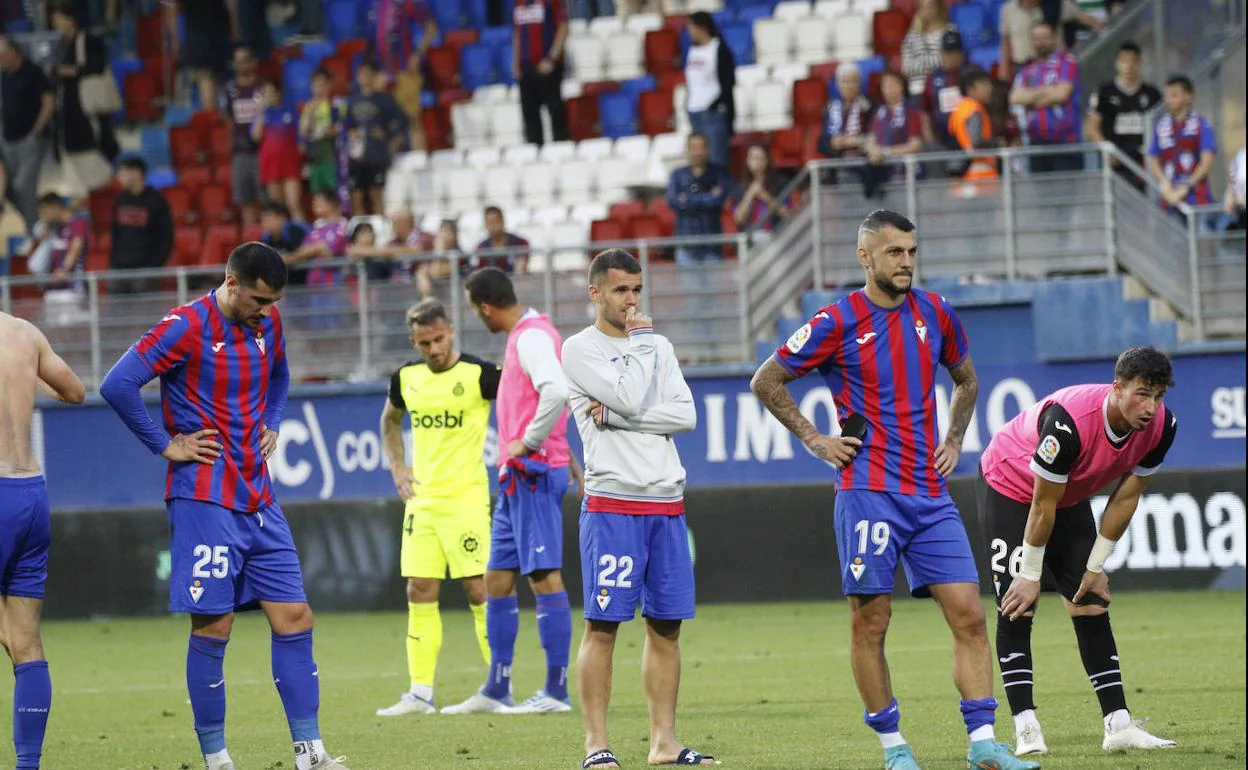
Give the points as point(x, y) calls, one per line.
point(491, 374)
point(954, 346)
point(1208, 142)
point(1152, 461)
point(812, 346)
point(1154, 144)
point(396, 390)
point(167, 345)
point(1059, 445)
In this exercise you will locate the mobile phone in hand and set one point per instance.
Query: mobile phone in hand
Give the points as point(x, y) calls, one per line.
point(855, 426)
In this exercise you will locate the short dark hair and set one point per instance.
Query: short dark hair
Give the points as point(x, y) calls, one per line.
point(360, 229)
point(426, 313)
point(490, 286)
point(492, 210)
point(51, 199)
point(971, 77)
point(880, 218)
point(370, 64)
point(697, 135)
point(276, 83)
point(896, 75)
point(321, 72)
point(612, 259)
point(332, 197)
point(1182, 81)
point(253, 262)
point(1131, 47)
point(1145, 363)
point(134, 163)
point(274, 207)
point(705, 21)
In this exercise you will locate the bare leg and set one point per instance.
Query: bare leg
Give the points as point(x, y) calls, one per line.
point(660, 669)
point(972, 657)
point(870, 618)
point(593, 673)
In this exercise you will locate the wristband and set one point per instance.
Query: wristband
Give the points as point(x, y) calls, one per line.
point(1100, 552)
point(1033, 562)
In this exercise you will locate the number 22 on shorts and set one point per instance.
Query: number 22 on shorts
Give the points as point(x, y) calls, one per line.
point(878, 533)
point(615, 571)
point(218, 556)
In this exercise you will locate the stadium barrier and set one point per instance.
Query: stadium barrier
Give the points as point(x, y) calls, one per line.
point(758, 543)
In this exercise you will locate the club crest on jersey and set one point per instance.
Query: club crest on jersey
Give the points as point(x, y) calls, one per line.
point(1048, 449)
point(857, 568)
point(603, 600)
point(799, 338)
point(458, 390)
point(260, 343)
point(197, 590)
point(921, 329)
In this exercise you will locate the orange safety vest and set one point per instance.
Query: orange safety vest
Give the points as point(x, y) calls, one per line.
point(981, 167)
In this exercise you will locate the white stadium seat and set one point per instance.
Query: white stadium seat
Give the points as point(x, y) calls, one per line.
point(416, 160)
point(593, 149)
point(463, 188)
point(667, 152)
point(643, 22)
point(772, 41)
point(431, 220)
point(624, 51)
point(576, 181)
point(635, 149)
point(679, 96)
point(869, 7)
point(556, 152)
point(570, 88)
point(831, 9)
point(792, 10)
point(506, 124)
point(502, 187)
point(443, 159)
point(773, 106)
point(520, 154)
point(751, 74)
point(483, 157)
point(605, 26)
point(565, 234)
point(615, 176)
point(790, 73)
point(814, 42)
point(548, 215)
point(741, 96)
point(492, 94)
point(516, 216)
point(703, 5)
point(851, 36)
point(586, 213)
point(470, 123)
point(538, 184)
point(588, 57)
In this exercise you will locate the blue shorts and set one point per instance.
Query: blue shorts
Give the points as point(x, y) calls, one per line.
point(629, 560)
point(25, 534)
point(875, 529)
point(224, 560)
point(527, 531)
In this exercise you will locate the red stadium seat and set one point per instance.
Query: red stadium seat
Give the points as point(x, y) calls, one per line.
point(786, 148)
point(186, 146)
point(141, 94)
point(102, 241)
point(458, 38)
point(655, 114)
point(253, 233)
point(583, 118)
point(669, 80)
point(339, 69)
point(181, 208)
point(598, 87)
point(437, 123)
point(149, 37)
point(195, 177)
point(738, 146)
point(453, 95)
point(659, 209)
point(223, 174)
point(443, 63)
point(97, 261)
point(676, 22)
point(825, 71)
point(206, 119)
point(349, 49)
point(187, 244)
point(625, 210)
point(662, 51)
point(219, 241)
point(221, 143)
point(907, 7)
point(810, 97)
point(888, 28)
point(810, 144)
point(601, 230)
point(215, 204)
point(644, 226)
point(873, 87)
point(101, 208)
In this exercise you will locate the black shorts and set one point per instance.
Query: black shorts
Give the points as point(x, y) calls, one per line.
point(1003, 521)
point(365, 175)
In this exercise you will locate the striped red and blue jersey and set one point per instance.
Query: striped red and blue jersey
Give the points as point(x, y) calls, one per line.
point(1060, 123)
point(536, 22)
point(1177, 145)
point(881, 363)
point(393, 22)
point(215, 373)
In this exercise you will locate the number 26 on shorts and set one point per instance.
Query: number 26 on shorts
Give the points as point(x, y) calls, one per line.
point(615, 571)
point(999, 549)
point(217, 556)
point(878, 534)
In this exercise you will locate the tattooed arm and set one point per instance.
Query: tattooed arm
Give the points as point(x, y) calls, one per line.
point(961, 409)
point(770, 386)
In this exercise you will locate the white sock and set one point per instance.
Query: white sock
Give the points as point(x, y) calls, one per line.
point(983, 733)
point(217, 759)
point(422, 691)
point(1024, 718)
point(1116, 720)
point(308, 754)
point(889, 740)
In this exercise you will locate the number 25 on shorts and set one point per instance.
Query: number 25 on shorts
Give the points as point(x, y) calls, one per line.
point(878, 533)
point(615, 571)
point(218, 556)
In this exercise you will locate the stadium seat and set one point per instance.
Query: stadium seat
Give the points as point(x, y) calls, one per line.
point(850, 35)
point(623, 211)
point(568, 238)
point(215, 204)
point(458, 38)
point(140, 96)
point(180, 206)
point(463, 188)
point(443, 66)
point(825, 71)
point(810, 97)
point(599, 87)
point(669, 80)
point(605, 26)
point(221, 143)
point(219, 241)
point(187, 243)
point(583, 118)
point(570, 88)
point(831, 9)
point(748, 14)
point(644, 227)
point(437, 125)
point(752, 74)
point(985, 56)
point(661, 51)
point(606, 231)
point(297, 79)
point(149, 33)
point(483, 157)
point(872, 65)
point(506, 124)
point(619, 115)
point(100, 205)
point(745, 108)
point(888, 28)
point(792, 10)
point(557, 152)
point(869, 7)
point(451, 14)
point(589, 58)
point(971, 20)
point(442, 160)
point(643, 22)
point(451, 96)
point(476, 66)
point(493, 36)
point(342, 21)
point(545, 216)
point(635, 87)
point(660, 210)
point(339, 70)
point(634, 149)
point(593, 149)
point(679, 98)
point(740, 40)
point(194, 178)
point(538, 184)
point(789, 73)
point(813, 43)
point(786, 148)
point(503, 187)
point(624, 55)
point(654, 113)
point(588, 212)
point(162, 178)
point(773, 109)
point(470, 123)
point(314, 51)
point(520, 155)
point(772, 41)
point(503, 62)
point(496, 93)
point(615, 175)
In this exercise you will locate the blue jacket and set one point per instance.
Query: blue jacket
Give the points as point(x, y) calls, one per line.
point(698, 200)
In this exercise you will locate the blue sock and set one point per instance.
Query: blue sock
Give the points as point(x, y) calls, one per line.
point(32, 700)
point(205, 681)
point(886, 721)
point(502, 624)
point(294, 673)
point(979, 713)
point(554, 627)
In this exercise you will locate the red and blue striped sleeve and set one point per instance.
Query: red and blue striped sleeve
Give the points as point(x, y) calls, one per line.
point(279, 381)
point(418, 12)
point(1208, 142)
point(811, 346)
point(1154, 144)
point(559, 10)
point(168, 343)
point(954, 346)
point(1069, 72)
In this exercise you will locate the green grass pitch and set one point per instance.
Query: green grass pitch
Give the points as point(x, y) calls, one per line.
point(765, 686)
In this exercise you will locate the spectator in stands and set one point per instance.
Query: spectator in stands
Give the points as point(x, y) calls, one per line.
point(210, 26)
point(754, 204)
point(284, 236)
point(942, 90)
point(1180, 156)
point(87, 142)
point(1235, 195)
point(446, 247)
point(1048, 88)
point(242, 105)
point(327, 240)
point(539, 31)
point(1117, 110)
point(497, 237)
point(142, 227)
point(696, 193)
point(710, 76)
point(1018, 17)
point(319, 126)
point(970, 125)
point(65, 237)
point(848, 116)
point(896, 130)
point(590, 9)
point(392, 39)
point(276, 130)
point(28, 107)
point(12, 224)
point(382, 261)
point(923, 46)
point(376, 132)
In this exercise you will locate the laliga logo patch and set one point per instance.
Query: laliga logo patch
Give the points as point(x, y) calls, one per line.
point(603, 600)
point(799, 338)
point(1049, 448)
point(857, 568)
point(921, 329)
point(197, 590)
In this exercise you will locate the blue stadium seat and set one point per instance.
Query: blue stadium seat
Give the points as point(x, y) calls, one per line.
point(177, 115)
point(161, 178)
point(297, 79)
point(314, 51)
point(428, 100)
point(740, 40)
point(971, 20)
point(992, 22)
point(495, 35)
point(476, 13)
point(477, 67)
point(637, 86)
point(870, 66)
point(451, 14)
point(685, 42)
point(502, 62)
point(154, 146)
point(746, 14)
point(984, 56)
point(618, 113)
point(724, 17)
point(342, 20)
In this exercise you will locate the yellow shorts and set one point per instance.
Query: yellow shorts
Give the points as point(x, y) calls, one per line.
point(445, 535)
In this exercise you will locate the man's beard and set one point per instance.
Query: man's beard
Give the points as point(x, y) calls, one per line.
point(888, 287)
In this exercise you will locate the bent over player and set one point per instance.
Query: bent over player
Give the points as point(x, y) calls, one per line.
point(28, 367)
point(629, 397)
point(1037, 476)
point(878, 350)
point(221, 360)
point(446, 492)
